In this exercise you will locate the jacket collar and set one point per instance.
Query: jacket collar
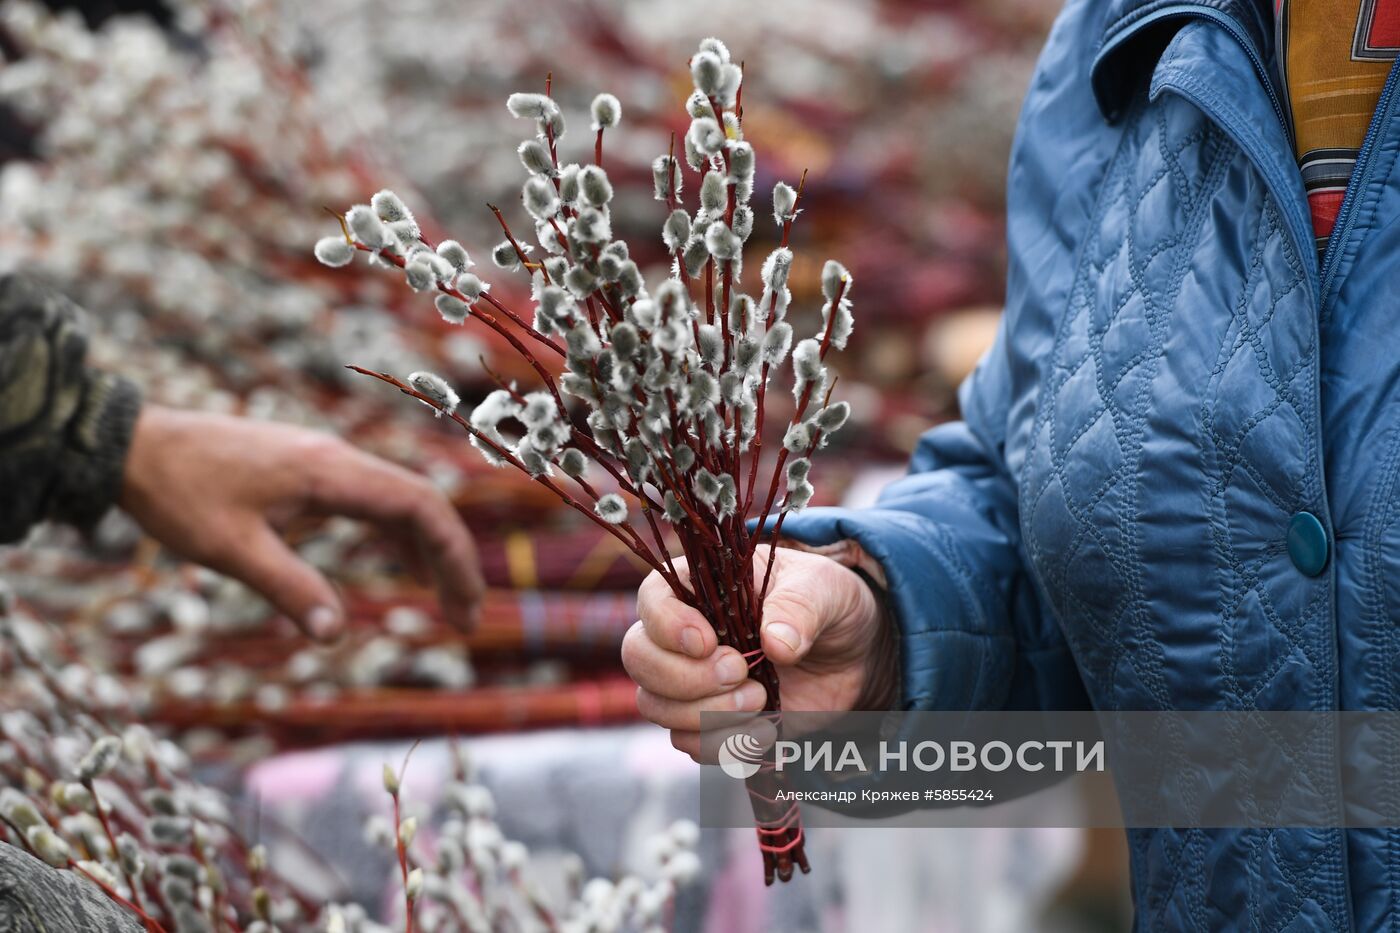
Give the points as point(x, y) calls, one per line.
point(1136, 31)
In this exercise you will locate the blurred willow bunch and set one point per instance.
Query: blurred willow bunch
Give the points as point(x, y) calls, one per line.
point(668, 385)
point(86, 788)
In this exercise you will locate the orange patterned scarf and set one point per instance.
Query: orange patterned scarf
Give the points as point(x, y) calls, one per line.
point(1334, 56)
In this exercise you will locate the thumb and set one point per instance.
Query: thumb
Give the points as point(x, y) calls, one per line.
point(294, 587)
point(791, 625)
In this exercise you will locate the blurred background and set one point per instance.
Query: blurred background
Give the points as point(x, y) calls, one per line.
point(169, 166)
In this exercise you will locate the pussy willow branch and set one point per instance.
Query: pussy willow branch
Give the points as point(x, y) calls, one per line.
point(801, 408)
point(757, 448)
point(633, 543)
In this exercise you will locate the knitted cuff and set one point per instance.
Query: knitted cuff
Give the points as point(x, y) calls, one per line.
point(94, 447)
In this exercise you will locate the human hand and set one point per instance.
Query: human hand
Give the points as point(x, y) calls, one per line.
point(822, 626)
point(215, 489)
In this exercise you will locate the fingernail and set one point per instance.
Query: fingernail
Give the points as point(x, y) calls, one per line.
point(323, 622)
point(785, 633)
point(731, 669)
point(750, 696)
point(693, 642)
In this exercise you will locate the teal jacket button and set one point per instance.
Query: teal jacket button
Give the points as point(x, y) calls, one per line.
point(1307, 543)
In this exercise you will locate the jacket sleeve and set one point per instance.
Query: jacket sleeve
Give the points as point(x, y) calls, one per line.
point(64, 428)
point(972, 632)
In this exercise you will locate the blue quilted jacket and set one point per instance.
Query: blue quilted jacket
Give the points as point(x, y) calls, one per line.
point(1175, 484)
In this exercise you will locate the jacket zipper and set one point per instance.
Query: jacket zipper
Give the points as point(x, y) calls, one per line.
point(1360, 177)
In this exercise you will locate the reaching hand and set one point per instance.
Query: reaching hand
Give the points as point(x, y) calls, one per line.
point(821, 627)
point(214, 489)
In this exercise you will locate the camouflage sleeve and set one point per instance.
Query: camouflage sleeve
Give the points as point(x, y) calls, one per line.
point(35, 898)
point(64, 429)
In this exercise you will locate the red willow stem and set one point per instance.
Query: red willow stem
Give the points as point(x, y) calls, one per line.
point(598, 149)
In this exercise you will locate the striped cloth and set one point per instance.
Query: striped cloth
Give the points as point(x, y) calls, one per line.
point(1334, 56)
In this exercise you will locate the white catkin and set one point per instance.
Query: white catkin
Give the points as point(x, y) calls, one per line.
point(714, 193)
point(717, 47)
point(365, 224)
point(776, 269)
point(420, 275)
point(436, 388)
point(707, 70)
point(574, 463)
point(594, 186)
point(784, 201)
point(539, 197)
point(530, 106)
point(456, 256)
point(743, 221)
point(797, 471)
point(452, 309)
point(777, 343)
point(806, 360)
point(666, 177)
point(843, 324)
point(568, 182)
point(471, 287)
point(534, 155)
point(797, 438)
point(833, 275)
point(390, 207)
point(606, 111)
point(706, 136)
point(333, 251)
point(731, 76)
point(833, 417)
point(505, 257)
point(741, 160)
point(722, 243)
point(100, 758)
point(611, 508)
point(49, 846)
point(676, 230)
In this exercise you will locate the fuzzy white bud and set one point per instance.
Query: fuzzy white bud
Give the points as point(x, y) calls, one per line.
point(540, 198)
point(777, 343)
point(706, 136)
point(390, 207)
point(49, 846)
point(534, 155)
point(835, 279)
point(435, 388)
point(606, 111)
point(530, 106)
point(611, 508)
point(101, 758)
point(831, 418)
point(714, 193)
point(707, 70)
point(452, 309)
point(776, 269)
point(471, 287)
point(367, 227)
point(784, 203)
point(594, 186)
point(666, 177)
point(333, 251)
point(420, 275)
point(456, 255)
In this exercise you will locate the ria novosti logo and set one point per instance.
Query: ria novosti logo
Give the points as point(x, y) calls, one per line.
point(740, 755)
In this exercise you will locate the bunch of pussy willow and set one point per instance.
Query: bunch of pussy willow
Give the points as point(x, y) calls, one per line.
point(659, 412)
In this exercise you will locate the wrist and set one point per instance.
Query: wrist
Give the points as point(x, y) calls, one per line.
point(880, 687)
